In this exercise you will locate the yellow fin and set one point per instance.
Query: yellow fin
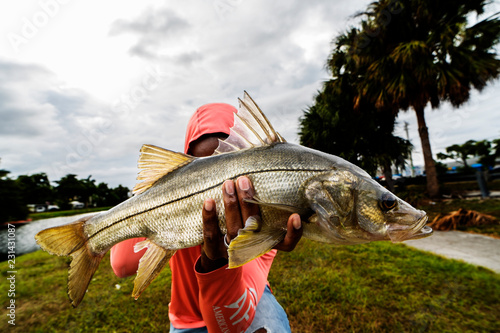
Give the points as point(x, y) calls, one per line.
point(82, 268)
point(251, 129)
point(252, 241)
point(155, 163)
point(289, 208)
point(70, 240)
point(150, 265)
point(62, 240)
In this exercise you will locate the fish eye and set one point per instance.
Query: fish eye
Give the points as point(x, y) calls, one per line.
point(388, 202)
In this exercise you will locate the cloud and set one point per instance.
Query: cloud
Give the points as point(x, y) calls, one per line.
point(216, 51)
point(151, 21)
point(43, 123)
point(154, 28)
point(182, 54)
point(23, 112)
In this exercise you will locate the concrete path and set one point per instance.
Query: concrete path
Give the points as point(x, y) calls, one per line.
point(472, 248)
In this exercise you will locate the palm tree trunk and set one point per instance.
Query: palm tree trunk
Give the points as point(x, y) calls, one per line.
point(388, 176)
point(430, 167)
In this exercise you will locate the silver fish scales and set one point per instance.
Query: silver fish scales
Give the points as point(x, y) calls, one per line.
point(277, 171)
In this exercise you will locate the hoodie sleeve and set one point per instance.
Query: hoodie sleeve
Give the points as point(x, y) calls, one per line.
point(124, 260)
point(228, 297)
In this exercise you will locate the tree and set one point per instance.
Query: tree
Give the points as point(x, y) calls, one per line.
point(407, 54)
point(101, 195)
point(89, 189)
point(488, 152)
point(496, 149)
point(104, 196)
point(12, 206)
point(460, 152)
point(36, 188)
point(363, 138)
point(69, 188)
point(120, 193)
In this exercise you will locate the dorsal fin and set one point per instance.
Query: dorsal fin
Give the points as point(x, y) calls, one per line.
point(156, 162)
point(251, 129)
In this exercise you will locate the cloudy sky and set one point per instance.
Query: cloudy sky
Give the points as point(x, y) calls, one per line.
point(83, 84)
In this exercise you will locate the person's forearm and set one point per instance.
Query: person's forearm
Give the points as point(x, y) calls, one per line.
point(227, 302)
point(229, 297)
point(207, 265)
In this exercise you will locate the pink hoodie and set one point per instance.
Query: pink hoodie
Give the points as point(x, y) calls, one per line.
point(224, 300)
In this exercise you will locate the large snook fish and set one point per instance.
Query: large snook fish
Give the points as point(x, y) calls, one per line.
point(337, 201)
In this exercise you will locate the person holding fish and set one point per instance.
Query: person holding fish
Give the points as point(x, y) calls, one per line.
point(294, 192)
point(205, 295)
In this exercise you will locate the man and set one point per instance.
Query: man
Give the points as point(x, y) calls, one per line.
point(206, 296)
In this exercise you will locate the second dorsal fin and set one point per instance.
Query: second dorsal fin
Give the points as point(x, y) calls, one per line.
point(156, 162)
point(251, 129)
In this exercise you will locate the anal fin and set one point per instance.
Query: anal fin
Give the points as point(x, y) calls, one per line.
point(253, 241)
point(150, 265)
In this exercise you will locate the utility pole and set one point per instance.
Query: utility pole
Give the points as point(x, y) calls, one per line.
point(411, 153)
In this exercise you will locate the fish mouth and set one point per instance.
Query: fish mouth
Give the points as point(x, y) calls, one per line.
point(398, 233)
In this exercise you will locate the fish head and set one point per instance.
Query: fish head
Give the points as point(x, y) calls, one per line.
point(383, 215)
point(352, 208)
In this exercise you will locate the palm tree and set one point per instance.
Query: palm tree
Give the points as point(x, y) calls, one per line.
point(362, 137)
point(407, 54)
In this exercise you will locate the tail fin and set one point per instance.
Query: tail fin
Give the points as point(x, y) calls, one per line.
point(70, 240)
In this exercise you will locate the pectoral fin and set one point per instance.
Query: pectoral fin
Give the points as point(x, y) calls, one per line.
point(289, 208)
point(253, 241)
point(150, 265)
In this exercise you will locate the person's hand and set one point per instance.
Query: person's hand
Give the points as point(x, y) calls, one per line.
point(237, 211)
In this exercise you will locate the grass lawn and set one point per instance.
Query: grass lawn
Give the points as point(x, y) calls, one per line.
point(383, 287)
point(378, 287)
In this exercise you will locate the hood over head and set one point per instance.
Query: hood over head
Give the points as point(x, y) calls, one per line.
point(208, 119)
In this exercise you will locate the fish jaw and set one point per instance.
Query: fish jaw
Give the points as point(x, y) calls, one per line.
point(399, 233)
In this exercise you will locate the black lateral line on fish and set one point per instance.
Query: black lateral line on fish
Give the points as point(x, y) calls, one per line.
point(198, 192)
